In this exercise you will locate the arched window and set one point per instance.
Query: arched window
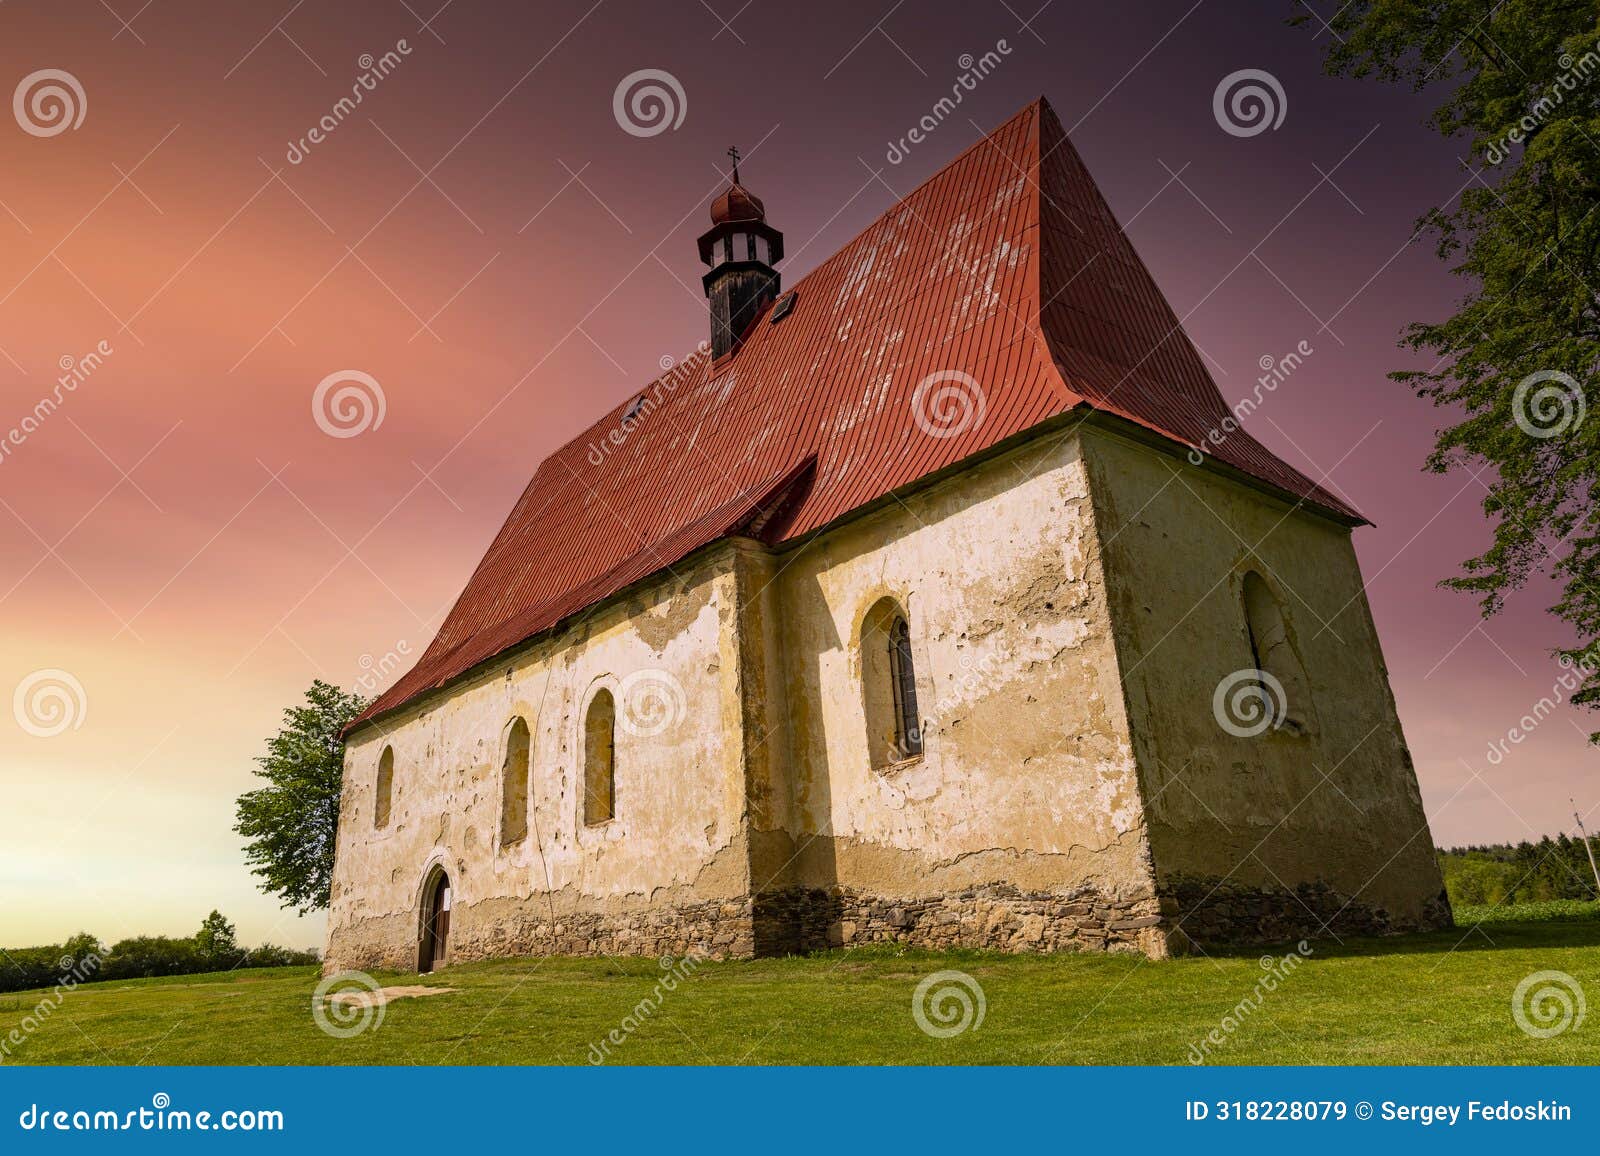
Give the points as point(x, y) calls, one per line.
point(514, 784)
point(908, 727)
point(889, 686)
point(599, 760)
point(385, 789)
point(1273, 653)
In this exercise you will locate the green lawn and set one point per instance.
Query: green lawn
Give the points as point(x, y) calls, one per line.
point(1443, 998)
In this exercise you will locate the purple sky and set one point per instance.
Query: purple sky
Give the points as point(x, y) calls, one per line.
point(184, 542)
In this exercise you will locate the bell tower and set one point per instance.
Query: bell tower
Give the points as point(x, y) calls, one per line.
point(741, 249)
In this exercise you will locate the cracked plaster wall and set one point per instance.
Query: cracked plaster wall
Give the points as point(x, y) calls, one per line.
point(1027, 776)
point(1336, 807)
point(677, 839)
point(1024, 824)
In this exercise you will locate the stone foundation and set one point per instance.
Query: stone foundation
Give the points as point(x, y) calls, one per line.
point(715, 929)
point(997, 917)
point(1192, 914)
point(1209, 912)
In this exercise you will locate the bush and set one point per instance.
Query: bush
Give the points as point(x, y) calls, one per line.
point(149, 955)
point(1549, 911)
point(271, 955)
point(82, 958)
point(75, 961)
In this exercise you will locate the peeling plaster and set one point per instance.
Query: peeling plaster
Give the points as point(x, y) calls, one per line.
point(1044, 768)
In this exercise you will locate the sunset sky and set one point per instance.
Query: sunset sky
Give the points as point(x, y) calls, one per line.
point(484, 239)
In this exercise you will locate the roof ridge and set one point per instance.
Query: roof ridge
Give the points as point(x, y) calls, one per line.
point(1161, 381)
point(609, 418)
point(963, 315)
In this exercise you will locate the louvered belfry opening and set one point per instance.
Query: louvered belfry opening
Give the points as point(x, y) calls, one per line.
point(741, 249)
point(1002, 280)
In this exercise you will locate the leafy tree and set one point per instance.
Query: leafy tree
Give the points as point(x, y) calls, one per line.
point(83, 949)
point(292, 823)
point(1519, 82)
point(217, 942)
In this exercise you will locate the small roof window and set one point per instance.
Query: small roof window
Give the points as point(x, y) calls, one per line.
point(784, 307)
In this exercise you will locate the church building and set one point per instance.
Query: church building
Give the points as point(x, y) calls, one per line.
point(939, 598)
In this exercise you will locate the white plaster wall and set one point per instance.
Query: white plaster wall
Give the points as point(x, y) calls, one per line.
point(1053, 592)
point(1027, 775)
point(678, 798)
point(1338, 805)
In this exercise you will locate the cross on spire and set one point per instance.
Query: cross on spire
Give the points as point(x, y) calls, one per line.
point(733, 152)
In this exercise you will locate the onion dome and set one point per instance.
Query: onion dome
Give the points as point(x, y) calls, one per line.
point(737, 203)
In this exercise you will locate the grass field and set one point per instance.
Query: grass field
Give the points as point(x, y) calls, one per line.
point(1550, 910)
point(1442, 998)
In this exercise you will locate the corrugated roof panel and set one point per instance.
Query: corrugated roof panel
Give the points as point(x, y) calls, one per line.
point(1006, 267)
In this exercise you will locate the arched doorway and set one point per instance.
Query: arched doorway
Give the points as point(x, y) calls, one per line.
point(435, 922)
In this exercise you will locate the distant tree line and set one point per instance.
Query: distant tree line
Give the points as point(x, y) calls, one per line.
point(1525, 872)
point(84, 958)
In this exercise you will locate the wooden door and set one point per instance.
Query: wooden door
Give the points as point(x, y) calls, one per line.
point(441, 920)
point(435, 926)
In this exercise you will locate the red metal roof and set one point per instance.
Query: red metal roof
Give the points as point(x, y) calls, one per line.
point(1003, 281)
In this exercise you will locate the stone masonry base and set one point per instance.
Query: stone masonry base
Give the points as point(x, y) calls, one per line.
point(997, 917)
point(1211, 912)
point(715, 929)
point(1190, 914)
